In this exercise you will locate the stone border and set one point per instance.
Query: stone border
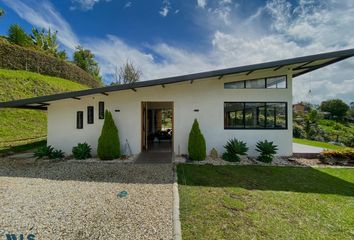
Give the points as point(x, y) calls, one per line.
point(177, 231)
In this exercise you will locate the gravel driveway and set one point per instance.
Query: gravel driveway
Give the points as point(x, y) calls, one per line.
point(69, 200)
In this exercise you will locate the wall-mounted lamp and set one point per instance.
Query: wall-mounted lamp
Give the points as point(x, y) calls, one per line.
point(117, 110)
point(196, 110)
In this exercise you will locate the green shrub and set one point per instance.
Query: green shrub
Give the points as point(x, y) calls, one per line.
point(267, 151)
point(20, 58)
point(196, 143)
point(108, 143)
point(56, 154)
point(49, 152)
point(340, 154)
point(44, 151)
point(82, 151)
point(234, 148)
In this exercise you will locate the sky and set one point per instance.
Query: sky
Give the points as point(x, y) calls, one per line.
point(174, 37)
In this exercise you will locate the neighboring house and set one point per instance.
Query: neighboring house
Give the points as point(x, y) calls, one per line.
point(250, 103)
point(299, 108)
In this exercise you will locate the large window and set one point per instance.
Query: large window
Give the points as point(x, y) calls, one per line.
point(269, 82)
point(255, 115)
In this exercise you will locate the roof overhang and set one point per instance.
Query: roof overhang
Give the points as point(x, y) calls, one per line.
point(299, 66)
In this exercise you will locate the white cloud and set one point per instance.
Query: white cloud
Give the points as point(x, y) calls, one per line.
point(44, 15)
point(128, 5)
point(85, 4)
point(165, 9)
point(201, 3)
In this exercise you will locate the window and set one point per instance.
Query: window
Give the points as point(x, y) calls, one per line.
point(270, 82)
point(235, 85)
point(276, 82)
point(101, 110)
point(256, 83)
point(255, 115)
point(90, 114)
point(79, 120)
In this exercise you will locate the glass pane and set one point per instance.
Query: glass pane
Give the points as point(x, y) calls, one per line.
point(254, 115)
point(276, 82)
point(276, 115)
point(257, 83)
point(234, 85)
point(280, 121)
point(233, 115)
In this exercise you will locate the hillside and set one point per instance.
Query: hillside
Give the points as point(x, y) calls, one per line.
point(18, 124)
point(19, 58)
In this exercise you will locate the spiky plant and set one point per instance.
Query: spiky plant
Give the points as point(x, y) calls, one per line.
point(267, 150)
point(234, 148)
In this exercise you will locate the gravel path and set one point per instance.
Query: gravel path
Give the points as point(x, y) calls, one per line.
point(69, 200)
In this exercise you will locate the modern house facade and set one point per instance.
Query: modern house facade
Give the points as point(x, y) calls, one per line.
point(250, 103)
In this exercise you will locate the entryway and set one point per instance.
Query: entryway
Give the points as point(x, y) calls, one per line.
point(156, 132)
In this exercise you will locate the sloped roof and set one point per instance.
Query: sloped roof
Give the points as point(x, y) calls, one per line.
point(299, 66)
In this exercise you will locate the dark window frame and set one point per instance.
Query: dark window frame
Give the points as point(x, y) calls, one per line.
point(265, 115)
point(101, 110)
point(79, 119)
point(90, 115)
point(265, 83)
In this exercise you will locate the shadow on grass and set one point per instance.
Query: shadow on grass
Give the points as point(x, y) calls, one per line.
point(268, 178)
point(24, 147)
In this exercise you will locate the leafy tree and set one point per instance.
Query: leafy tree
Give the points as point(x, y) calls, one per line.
point(62, 55)
point(108, 143)
point(196, 143)
point(128, 73)
point(336, 107)
point(18, 36)
point(84, 59)
point(45, 40)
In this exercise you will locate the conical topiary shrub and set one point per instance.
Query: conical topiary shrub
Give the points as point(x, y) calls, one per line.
point(108, 143)
point(196, 143)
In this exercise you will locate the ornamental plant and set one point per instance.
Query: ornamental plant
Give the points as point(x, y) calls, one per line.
point(267, 151)
point(196, 143)
point(234, 148)
point(82, 151)
point(108, 143)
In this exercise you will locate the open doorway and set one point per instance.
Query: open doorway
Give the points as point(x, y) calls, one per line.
point(157, 126)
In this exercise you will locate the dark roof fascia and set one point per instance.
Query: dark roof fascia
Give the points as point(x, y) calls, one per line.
point(338, 55)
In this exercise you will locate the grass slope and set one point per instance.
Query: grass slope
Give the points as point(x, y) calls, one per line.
point(317, 144)
point(260, 202)
point(25, 125)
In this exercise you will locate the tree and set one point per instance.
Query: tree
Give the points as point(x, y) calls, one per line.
point(45, 40)
point(18, 36)
point(128, 73)
point(196, 143)
point(84, 59)
point(336, 107)
point(108, 144)
point(62, 55)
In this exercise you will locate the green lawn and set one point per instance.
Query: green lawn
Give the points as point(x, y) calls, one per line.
point(260, 202)
point(317, 144)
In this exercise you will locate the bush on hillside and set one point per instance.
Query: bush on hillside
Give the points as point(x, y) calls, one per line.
point(82, 151)
point(196, 143)
point(19, 58)
point(108, 143)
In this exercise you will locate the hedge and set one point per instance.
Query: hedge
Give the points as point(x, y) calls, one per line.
point(19, 58)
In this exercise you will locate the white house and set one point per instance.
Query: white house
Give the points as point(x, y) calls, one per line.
point(250, 103)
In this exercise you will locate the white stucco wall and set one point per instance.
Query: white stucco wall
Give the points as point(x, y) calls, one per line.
point(206, 95)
